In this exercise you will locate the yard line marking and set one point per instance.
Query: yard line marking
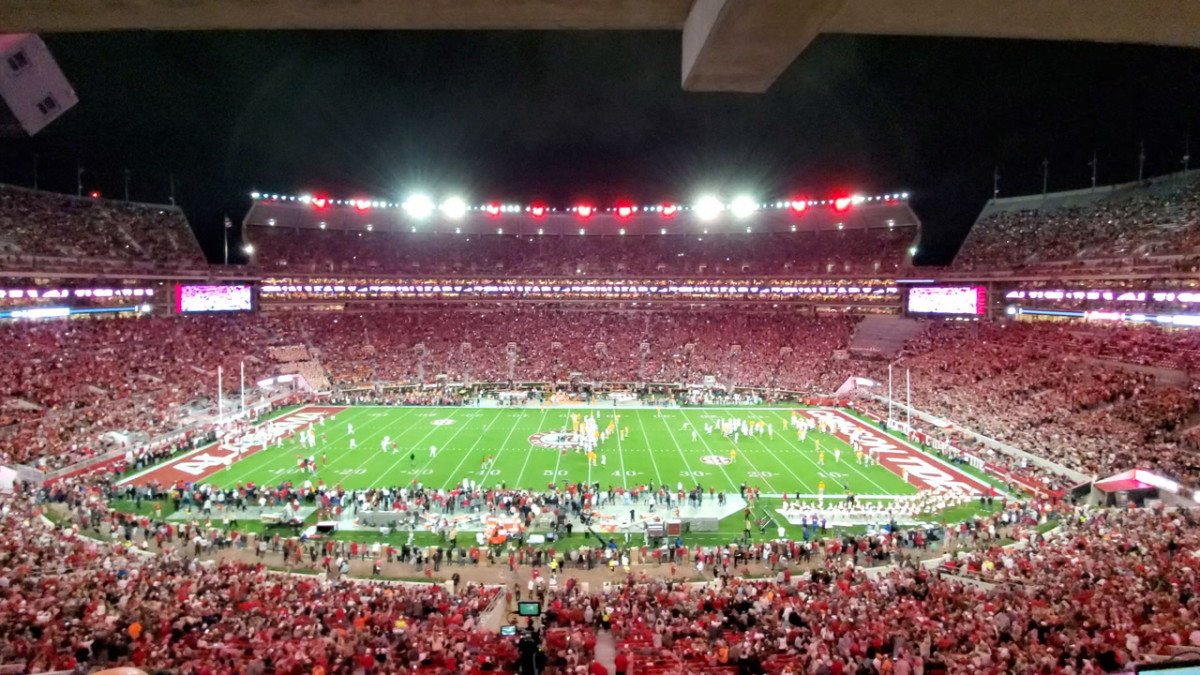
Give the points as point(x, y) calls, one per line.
point(419, 471)
point(851, 464)
point(517, 483)
point(589, 468)
point(621, 455)
point(686, 464)
point(708, 448)
point(761, 475)
point(470, 451)
point(288, 470)
point(784, 464)
point(503, 444)
point(657, 475)
point(349, 455)
point(412, 450)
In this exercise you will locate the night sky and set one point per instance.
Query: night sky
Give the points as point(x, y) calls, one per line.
point(571, 115)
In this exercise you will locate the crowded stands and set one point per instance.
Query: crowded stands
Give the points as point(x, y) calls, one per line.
point(1050, 605)
point(1126, 229)
point(67, 602)
point(1058, 392)
point(1041, 388)
point(45, 230)
point(321, 251)
point(1107, 588)
point(68, 385)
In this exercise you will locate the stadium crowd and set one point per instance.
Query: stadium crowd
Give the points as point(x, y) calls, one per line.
point(1038, 387)
point(868, 251)
point(1053, 390)
point(1057, 610)
point(70, 603)
point(1129, 228)
point(65, 386)
point(1109, 588)
point(41, 228)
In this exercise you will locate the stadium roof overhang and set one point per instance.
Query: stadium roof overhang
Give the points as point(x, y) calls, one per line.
point(882, 214)
point(728, 45)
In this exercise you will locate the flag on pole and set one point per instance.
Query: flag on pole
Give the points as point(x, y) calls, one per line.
point(228, 223)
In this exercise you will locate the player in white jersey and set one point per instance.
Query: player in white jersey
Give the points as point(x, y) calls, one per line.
point(837, 454)
point(695, 436)
point(353, 444)
point(383, 445)
point(350, 429)
point(432, 451)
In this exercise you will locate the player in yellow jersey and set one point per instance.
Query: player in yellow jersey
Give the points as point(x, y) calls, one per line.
point(732, 456)
point(821, 458)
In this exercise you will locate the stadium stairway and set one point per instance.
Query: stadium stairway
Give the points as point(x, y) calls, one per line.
point(606, 650)
point(884, 335)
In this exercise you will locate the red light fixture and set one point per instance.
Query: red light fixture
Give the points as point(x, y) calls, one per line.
point(320, 202)
point(95, 195)
point(669, 210)
point(624, 211)
point(584, 211)
point(537, 210)
point(362, 205)
point(492, 209)
point(842, 203)
point(799, 205)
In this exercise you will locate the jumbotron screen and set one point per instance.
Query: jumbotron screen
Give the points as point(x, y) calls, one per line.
point(223, 298)
point(969, 300)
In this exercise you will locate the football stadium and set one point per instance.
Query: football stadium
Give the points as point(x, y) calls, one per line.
point(699, 429)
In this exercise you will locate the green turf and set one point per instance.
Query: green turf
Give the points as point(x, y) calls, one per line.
point(659, 449)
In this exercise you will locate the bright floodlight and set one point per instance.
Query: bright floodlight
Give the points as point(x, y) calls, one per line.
point(743, 207)
point(708, 207)
point(418, 206)
point(454, 208)
point(249, 249)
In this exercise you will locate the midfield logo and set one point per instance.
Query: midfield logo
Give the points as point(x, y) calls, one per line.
point(556, 440)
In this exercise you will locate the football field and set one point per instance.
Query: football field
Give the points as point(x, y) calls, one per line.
point(527, 448)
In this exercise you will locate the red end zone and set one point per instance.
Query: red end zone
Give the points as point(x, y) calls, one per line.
point(199, 464)
point(924, 472)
